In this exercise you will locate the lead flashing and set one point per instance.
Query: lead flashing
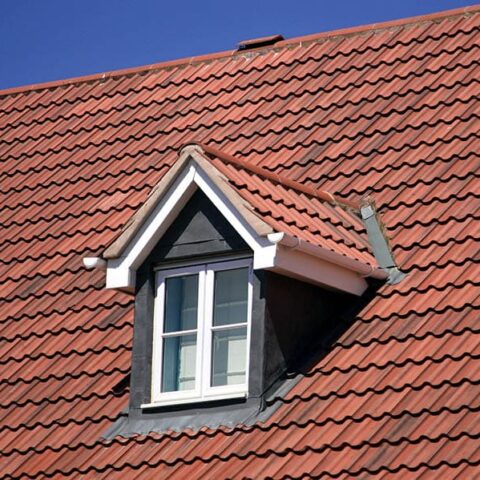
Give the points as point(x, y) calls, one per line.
point(379, 242)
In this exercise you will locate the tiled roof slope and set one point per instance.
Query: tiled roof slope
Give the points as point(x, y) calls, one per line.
point(312, 215)
point(389, 110)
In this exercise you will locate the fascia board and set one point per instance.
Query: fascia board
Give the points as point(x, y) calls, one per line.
point(121, 270)
point(131, 228)
point(306, 267)
point(272, 251)
point(231, 212)
point(329, 256)
point(219, 186)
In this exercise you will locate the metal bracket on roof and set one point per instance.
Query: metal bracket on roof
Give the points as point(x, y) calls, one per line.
point(379, 242)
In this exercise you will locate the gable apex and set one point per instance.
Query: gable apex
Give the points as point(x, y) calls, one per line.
point(191, 157)
point(192, 171)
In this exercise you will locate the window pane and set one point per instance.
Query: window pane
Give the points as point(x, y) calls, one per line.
point(231, 297)
point(179, 360)
point(229, 356)
point(181, 302)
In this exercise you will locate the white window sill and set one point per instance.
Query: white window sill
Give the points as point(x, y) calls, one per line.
point(183, 401)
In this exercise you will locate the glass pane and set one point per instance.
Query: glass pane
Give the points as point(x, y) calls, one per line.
point(229, 356)
point(179, 360)
point(181, 303)
point(231, 297)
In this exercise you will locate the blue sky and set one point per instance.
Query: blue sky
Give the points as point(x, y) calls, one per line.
point(43, 40)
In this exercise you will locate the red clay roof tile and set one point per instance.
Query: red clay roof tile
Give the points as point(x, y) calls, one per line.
point(388, 110)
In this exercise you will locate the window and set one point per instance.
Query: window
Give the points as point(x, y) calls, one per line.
point(202, 332)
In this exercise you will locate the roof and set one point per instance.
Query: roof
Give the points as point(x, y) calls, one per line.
point(290, 229)
point(270, 203)
point(389, 110)
point(306, 213)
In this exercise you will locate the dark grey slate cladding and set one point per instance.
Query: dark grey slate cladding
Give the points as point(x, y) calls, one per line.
point(289, 320)
point(199, 230)
point(298, 316)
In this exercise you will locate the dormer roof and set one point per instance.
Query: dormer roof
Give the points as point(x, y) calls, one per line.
point(277, 218)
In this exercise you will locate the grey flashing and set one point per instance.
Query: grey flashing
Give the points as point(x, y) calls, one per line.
point(379, 242)
point(118, 427)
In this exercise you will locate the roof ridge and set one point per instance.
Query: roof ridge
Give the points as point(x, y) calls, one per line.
point(348, 31)
point(322, 195)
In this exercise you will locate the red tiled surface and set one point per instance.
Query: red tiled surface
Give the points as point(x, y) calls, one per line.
point(390, 111)
point(286, 208)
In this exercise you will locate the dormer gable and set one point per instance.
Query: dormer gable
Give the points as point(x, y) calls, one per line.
point(238, 274)
point(316, 238)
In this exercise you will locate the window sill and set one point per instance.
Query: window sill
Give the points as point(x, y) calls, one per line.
point(183, 401)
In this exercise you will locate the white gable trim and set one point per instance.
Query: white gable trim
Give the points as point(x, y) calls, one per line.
point(121, 271)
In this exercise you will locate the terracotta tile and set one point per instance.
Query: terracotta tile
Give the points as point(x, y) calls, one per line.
point(389, 111)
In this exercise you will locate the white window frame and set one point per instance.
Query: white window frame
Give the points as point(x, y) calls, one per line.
point(202, 391)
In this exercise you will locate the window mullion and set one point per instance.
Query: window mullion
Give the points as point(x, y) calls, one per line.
point(200, 331)
point(207, 342)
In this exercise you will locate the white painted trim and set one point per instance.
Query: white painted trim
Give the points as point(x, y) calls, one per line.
point(212, 268)
point(207, 354)
point(94, 262)
point(158, 335)
point(228, 211)
point(121, 271)
point(193, 400)
point(305, 267)
point(271, 251)
point(294, 243)
point(219, 328)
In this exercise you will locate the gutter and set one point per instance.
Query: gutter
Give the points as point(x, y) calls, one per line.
point(294, 243)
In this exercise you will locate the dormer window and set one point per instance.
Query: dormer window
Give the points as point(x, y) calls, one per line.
point(201, 332)
point(238, 275)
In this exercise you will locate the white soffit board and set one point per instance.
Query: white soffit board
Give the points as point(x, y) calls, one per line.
point(305, 267)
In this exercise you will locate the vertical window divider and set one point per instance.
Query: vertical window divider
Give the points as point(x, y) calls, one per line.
point(208, 320)
point(200, 332)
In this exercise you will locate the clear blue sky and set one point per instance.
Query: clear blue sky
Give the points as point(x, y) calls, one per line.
point(43, 40)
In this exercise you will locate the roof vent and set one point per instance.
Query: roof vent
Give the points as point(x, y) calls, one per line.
point(259, 42)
